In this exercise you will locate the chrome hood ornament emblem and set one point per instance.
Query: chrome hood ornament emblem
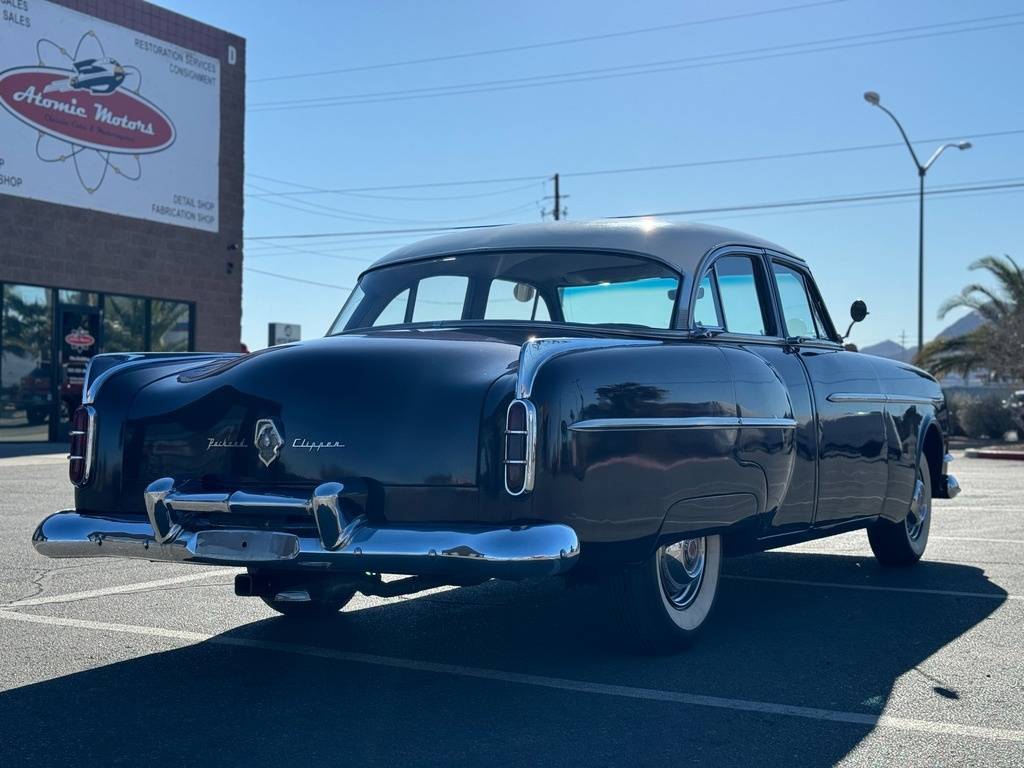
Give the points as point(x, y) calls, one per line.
point(268, 441)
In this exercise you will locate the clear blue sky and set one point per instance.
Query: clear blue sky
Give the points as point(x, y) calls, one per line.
point(950, 85)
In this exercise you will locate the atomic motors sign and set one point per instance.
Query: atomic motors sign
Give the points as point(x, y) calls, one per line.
point(98, 116)
point(50, 101)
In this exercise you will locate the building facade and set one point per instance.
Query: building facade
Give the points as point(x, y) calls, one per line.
point(121, 173)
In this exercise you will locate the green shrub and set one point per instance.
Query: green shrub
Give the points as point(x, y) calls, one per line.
point(980, 416)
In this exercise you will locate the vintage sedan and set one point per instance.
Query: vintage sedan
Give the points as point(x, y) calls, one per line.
point(627, 402)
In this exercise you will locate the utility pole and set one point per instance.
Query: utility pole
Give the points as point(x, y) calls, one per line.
point(558, 210)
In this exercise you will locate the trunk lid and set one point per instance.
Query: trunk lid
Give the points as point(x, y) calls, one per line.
point(399, 408)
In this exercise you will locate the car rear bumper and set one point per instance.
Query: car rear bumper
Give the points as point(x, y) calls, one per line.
point(456, 551)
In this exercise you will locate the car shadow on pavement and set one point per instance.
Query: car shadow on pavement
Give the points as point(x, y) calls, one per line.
point(275, 692)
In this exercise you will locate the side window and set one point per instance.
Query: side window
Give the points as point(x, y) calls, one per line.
point(440, 297)
point(394, 312)
point(737, 289)
point(705, 309)
point(796, 306)
point(508, 300)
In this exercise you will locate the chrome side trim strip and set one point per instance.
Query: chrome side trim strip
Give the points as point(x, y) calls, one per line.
point(534, 353)
point(450, 550)
point(690, 422)
point(856, 397)
point(872, 397)
point(913, 399)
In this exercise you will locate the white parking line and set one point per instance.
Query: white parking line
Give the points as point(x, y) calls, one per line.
point(974, 538)
point(141, 586)
point(539, 681)
point(875, 588)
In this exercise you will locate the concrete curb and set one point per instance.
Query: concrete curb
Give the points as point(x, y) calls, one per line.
point(994, 453)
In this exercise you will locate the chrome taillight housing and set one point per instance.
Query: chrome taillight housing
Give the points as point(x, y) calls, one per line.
point(83, 444)
point(520, 447)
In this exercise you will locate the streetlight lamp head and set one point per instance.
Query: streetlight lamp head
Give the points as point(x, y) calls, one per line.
point(871, 97)
point(964, 145)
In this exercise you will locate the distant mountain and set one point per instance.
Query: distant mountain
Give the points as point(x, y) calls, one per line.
point(894, 351)
point(965, 324)
point(891, 350)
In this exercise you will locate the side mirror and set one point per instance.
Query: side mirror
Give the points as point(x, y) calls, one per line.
point(858, 311)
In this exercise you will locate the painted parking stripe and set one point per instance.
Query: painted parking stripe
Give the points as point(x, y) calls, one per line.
point(142, 586)
point(975, 538)
point(874, 588)
point(564, 684)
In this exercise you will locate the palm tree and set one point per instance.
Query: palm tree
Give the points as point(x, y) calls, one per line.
point(998, 344)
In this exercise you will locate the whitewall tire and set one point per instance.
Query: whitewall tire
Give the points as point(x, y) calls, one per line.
point(663, 603)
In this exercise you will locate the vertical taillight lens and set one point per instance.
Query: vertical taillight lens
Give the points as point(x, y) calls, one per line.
point(83, 424)
point(520, 446)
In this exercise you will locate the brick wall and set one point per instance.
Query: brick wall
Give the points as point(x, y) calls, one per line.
point(76, 248)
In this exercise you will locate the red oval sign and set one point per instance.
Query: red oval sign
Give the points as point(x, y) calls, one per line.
point(122, 122)
point(80, 339)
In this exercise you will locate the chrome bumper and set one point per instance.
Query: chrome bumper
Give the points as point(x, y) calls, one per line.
point(948, 488)
point(345, 542)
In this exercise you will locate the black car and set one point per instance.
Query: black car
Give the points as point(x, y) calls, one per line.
point(622, 402)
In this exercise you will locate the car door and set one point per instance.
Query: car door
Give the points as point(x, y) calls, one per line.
point(848, 400)
point(734, 301)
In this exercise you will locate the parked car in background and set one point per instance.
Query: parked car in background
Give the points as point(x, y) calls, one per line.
point(1015, 405)
point(623, 402)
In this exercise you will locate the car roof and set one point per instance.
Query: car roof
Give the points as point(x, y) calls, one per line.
point(680, 245)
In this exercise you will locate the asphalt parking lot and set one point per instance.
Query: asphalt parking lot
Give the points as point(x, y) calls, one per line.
point(815, 656)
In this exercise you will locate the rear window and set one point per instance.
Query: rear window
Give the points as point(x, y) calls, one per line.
point(578, 287)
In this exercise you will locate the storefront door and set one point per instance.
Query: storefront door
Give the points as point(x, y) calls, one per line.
point(77, 340)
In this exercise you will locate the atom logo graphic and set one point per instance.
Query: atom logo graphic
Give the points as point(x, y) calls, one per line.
point(87, 109)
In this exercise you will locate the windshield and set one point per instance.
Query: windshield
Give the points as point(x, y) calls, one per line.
point(588, 288)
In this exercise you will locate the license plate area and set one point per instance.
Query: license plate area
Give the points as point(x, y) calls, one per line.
point(246, 546)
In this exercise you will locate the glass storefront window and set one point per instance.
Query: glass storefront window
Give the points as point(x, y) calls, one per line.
point(124, 324)
point(26, 363)
point(170, 326)
point(78, 298)
point(48, 335)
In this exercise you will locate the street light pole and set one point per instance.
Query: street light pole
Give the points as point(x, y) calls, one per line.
point(871, 97)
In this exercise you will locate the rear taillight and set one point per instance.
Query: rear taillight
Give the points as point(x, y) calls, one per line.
point(520, 446)
point(83, 428)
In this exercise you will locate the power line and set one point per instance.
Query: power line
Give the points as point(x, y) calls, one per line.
point(411, 231)
point(655, 67)
point(320, 190)
point(815, 201)
point(548, 44)
point(298, 279)
point(318, 209)
point(951, 195)
point(644, 168)
point(854, 197)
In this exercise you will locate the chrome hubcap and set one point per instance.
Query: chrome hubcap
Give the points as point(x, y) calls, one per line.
point(682, 570)
point(920, 507)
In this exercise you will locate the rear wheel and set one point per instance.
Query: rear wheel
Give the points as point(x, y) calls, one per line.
point(664, 602)
point(903, 543)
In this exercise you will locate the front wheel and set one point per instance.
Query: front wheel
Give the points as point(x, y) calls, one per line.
point(903, 543)
point(664, 602)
